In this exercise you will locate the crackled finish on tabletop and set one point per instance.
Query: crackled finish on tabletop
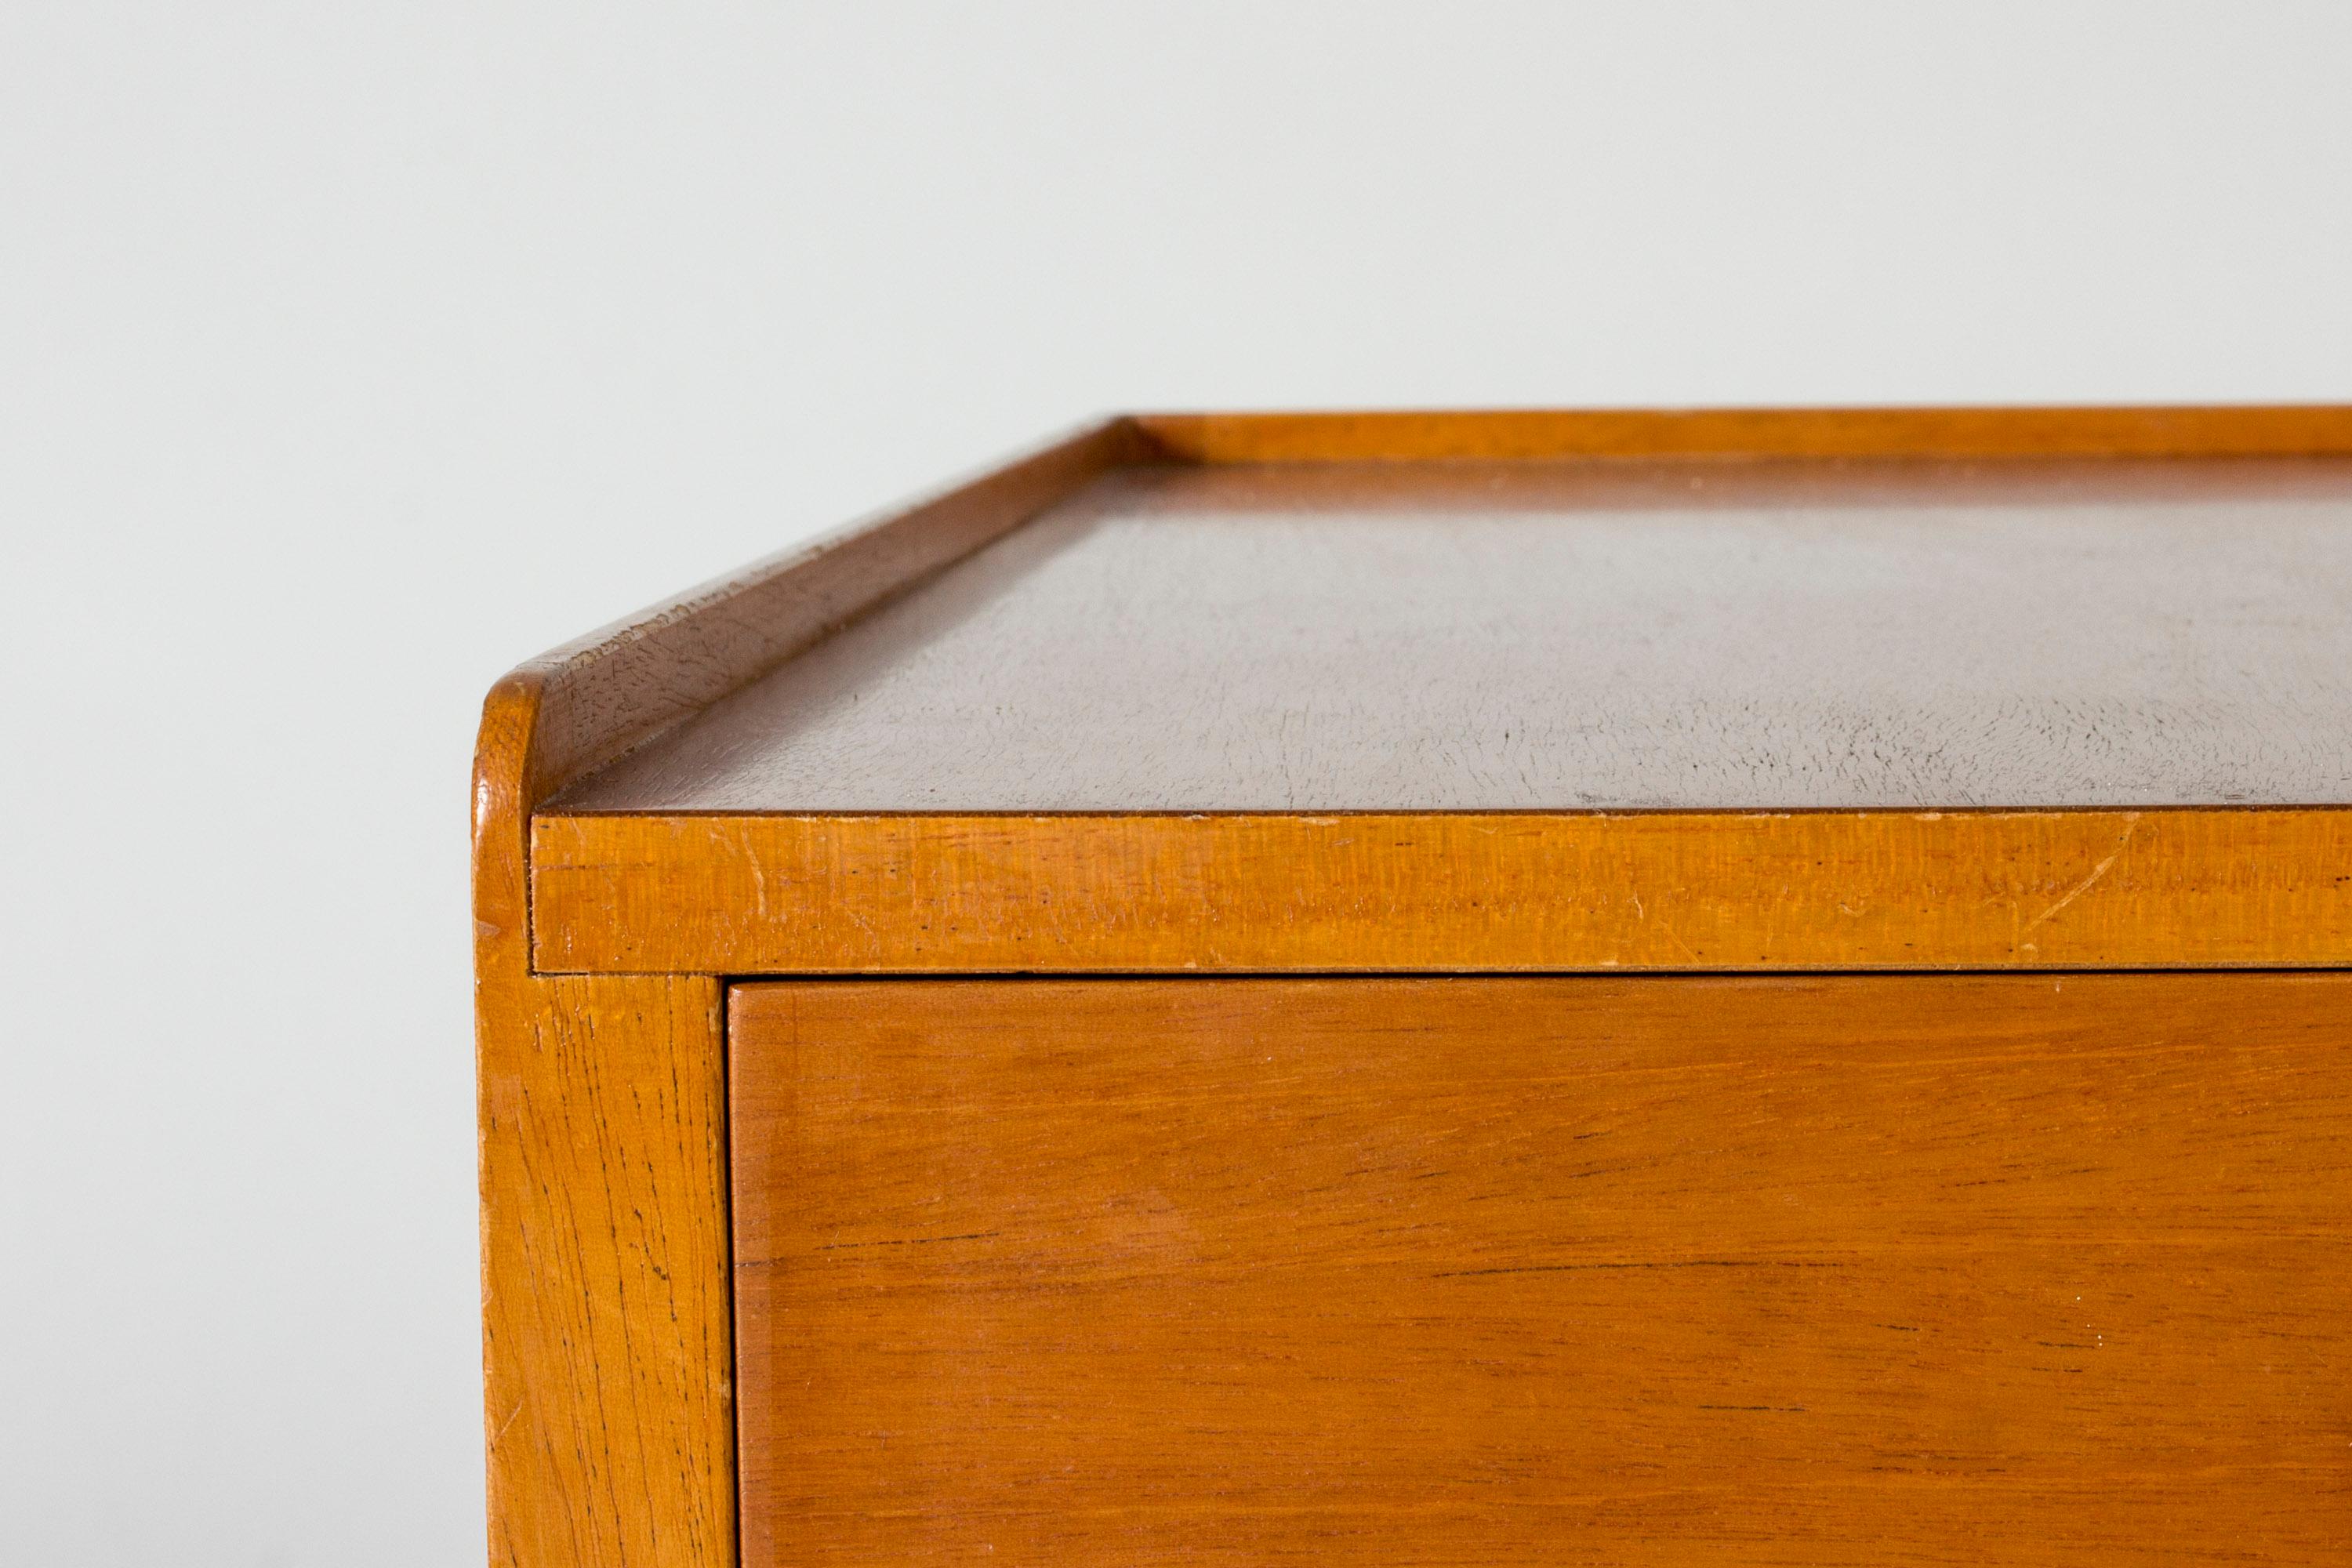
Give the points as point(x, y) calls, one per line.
point(1705, 634)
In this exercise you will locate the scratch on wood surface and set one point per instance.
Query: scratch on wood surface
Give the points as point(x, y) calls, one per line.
point(954, 893)
point(1668, 931)
point(2131, 825)
point(1674, 936)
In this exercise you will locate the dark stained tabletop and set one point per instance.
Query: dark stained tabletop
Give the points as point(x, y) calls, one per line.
point(1597, 634)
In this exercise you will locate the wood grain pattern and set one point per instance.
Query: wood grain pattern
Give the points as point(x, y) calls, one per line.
point(772, 894)
point(607, 1351)
point(606, 1240)
point(1620, 636)
point(1406, 435)
point(1995, 1270)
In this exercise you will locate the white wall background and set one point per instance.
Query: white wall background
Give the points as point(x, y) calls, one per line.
point(350, 353)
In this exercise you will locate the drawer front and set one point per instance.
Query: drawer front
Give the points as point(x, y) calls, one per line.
point(1845, 1270)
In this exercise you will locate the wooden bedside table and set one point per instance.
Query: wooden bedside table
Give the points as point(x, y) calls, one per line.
point(1624, 987)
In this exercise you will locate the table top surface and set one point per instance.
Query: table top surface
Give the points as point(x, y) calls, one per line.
point(1701, 634)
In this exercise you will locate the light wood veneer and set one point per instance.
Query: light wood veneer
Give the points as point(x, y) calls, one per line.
point(925, 1263)
point(1885, 1270)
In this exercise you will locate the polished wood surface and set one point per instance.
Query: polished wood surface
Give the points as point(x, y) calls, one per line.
point(1905, 1270)
point(601, 936)
point(2091, 890)
point(607, 1340)
point(1417, 435)
point(1604, 636)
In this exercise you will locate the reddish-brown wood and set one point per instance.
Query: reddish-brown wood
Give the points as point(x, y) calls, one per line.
point(1892, 1270)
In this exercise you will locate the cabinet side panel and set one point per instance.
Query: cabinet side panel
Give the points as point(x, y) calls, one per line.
point(607, 1334)
point(606, 1349)
point(608, 1343)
